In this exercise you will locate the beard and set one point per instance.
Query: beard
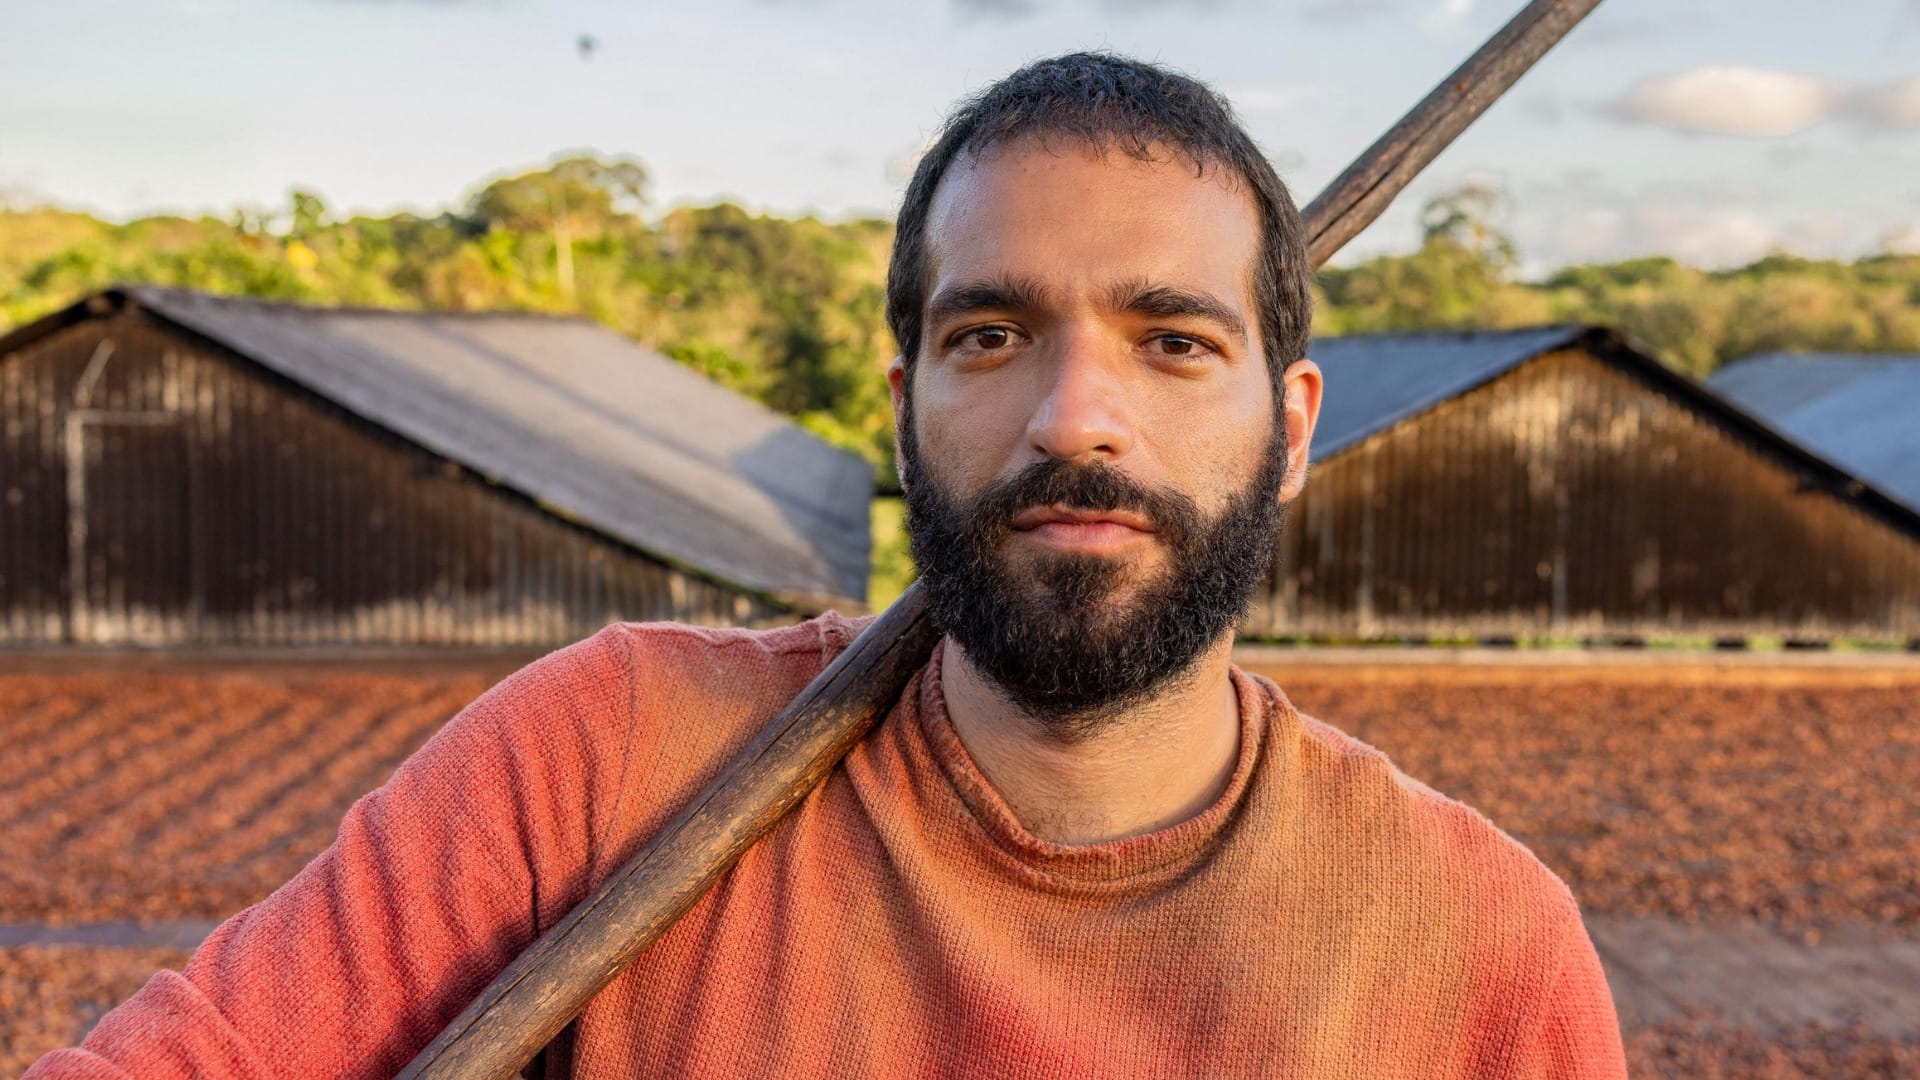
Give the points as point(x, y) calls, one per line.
point(1060, 634)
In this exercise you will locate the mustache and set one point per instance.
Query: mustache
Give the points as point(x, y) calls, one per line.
point(1096, 487)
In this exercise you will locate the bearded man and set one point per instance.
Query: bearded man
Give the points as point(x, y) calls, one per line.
point(1082, 844)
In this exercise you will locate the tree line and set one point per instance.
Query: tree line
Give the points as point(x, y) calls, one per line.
point(790, 310)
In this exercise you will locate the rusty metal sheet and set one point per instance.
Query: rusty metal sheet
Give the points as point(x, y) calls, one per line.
point(581, 420)
point(163, 492)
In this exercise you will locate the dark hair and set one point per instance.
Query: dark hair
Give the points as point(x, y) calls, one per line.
point(1114, 103)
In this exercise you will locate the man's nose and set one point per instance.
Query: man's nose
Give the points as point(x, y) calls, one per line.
point(1084, 409)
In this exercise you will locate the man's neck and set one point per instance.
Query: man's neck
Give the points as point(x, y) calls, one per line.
point(1152, 767)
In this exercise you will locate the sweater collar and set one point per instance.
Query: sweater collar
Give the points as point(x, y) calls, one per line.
point(1163, 853)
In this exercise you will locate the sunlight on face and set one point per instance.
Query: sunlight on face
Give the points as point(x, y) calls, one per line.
point(1094, 461)
point(1089, 306)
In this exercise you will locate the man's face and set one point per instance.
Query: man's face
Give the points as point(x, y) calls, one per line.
point(1095, 466)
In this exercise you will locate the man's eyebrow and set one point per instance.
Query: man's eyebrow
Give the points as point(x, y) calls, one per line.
point(1169, 301)
point(986, 294)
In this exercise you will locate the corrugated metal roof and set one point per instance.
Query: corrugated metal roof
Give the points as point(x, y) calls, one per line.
point(589, 424)
point(1860, 411)
point(1374, 381)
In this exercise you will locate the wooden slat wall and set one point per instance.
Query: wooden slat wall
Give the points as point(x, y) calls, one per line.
point(227, 508)
point(1570, 499)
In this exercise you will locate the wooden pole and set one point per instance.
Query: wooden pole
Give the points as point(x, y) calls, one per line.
point(547, 986)
point(1356, 197)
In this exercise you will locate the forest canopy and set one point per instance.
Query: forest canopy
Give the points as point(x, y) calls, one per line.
point(790, 310)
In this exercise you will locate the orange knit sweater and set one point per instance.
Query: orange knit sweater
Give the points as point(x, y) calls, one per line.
point(1327, 917)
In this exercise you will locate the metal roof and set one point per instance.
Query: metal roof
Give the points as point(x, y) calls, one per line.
point(1860, 411)
point(590, 425)
point(1374, 381)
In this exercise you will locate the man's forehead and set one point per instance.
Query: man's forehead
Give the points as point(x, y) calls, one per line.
point(1114, 153)
point(1084, 219)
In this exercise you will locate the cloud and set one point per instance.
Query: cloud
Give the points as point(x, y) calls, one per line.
point(1753, 101)
point(1891, 105)
point(1903, 239)
point(1729, 236)
point(1732, 101)
point(1582, 217)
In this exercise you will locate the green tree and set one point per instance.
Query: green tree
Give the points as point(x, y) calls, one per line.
point(574, 197)
point(1455, 279)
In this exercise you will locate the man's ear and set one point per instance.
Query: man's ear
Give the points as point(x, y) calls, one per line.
point(1302, 404)
point(897, 385)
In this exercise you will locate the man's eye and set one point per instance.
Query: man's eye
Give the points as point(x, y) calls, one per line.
point(991, 337)
point(1175, 345)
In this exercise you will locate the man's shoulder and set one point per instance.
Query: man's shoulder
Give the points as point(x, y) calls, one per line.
point(633, 720)
point(1416, 841)
point(652, 663)
point(827, 633)
point(1424, 893)
point(666, 696)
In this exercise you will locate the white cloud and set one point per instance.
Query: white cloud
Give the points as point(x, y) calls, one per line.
point(1901, 240)
point(1733, 101)
point(1580, 217)
point(1751, 101)
point(1722, 238)
point(1892, 105)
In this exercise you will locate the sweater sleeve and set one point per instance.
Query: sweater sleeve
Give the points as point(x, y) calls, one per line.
point(434, 883)
point(1578, 1037)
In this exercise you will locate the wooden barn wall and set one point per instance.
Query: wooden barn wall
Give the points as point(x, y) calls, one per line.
point(1570, 499)
point(218, 506)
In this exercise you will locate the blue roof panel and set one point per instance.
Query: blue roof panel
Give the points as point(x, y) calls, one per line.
point(1374, 381)
point(1861, 412)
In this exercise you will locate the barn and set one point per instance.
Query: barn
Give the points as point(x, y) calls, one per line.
point(184, 470)
point(1560, 483)
point(1861, 412)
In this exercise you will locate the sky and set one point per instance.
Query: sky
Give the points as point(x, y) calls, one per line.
point(1716, 131)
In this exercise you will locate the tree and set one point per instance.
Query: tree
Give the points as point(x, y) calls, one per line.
point(307, 214)
point(576, 196)
point(1454, 281)
point(1465, 218)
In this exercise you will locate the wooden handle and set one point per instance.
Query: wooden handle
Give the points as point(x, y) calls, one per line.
point(547, 986)
point(1356, 197)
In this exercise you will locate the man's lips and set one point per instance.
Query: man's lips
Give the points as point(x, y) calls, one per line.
point(1082, 530)
point(1067, 515)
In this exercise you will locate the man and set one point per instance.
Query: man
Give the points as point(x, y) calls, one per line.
point(1082, 844)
